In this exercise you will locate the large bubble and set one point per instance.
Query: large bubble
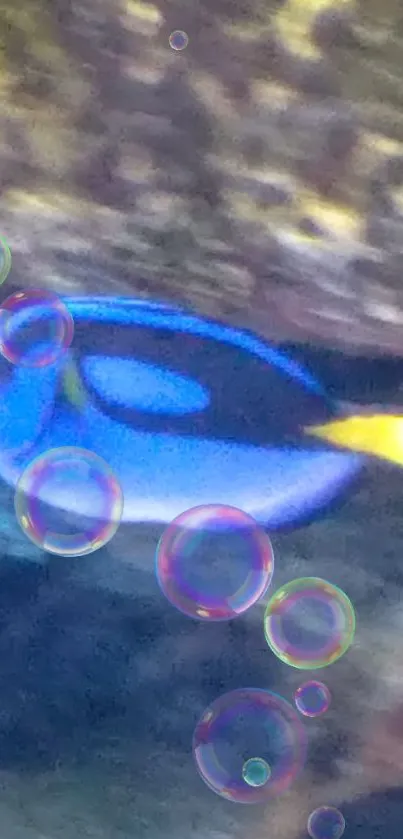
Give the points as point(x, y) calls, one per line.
point(36, 328)
point(214, 562)
point(69, 502)
point(249, 745)
point(326, 823)
point(309, 623)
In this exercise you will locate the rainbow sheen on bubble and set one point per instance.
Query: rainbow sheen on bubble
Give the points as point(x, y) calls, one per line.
point(309, 623)
point(178, 40)
point(214, 562)
point(256, 772)
point(326, 823)
point(36, 328)
point(312, 698)
point(243, 726)
point(5, 260)
point(69, 502)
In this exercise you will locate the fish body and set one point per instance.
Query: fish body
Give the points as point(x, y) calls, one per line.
point(185, 410)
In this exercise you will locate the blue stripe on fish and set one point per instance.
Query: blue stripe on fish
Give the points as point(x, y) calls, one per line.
point(145, 387)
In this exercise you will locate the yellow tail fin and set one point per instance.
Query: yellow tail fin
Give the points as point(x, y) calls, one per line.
point(379, 435)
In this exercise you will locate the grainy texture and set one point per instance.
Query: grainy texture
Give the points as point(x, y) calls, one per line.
point(256, 176)
point(102, 683)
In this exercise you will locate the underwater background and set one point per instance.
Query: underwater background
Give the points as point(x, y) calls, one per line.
point(255, 177)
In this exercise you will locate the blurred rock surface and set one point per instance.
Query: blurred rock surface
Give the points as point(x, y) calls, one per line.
point(257, 175)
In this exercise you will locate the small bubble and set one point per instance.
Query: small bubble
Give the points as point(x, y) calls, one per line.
point(256, 772)
point(36, 328)
point(5, 260)
point(178, 40)
point(326, 823)
point(312, 699)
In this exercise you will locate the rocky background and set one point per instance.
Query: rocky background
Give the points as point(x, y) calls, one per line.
point(258, 176)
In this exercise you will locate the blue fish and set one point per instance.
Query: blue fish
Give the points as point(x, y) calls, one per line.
point(185, 410)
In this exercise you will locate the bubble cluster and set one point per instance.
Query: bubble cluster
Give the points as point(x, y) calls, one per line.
point(5, 260)
point(240, 734)
point(69, 502)
point(312, 699)
point(326, 823)
point(309, 623)
point(178, 40)
point(35, 328)
point(213, 562)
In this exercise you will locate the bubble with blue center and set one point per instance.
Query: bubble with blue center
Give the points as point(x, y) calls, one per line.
point(249, 745)
point(68, 502)
point(178, 40)
point(214, 562)
point(36, 328)
point(326, 823)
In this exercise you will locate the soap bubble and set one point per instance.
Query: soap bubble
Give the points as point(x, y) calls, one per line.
point(213, 562)
point(5, 260)
point(35, 328)
point(242, 733)
point(256, 772)
point(68, 502)
point(178, 40)
point(312, 698)
point(309, 623)
point(326, 823)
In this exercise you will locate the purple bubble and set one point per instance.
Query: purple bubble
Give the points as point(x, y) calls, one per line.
point(69, 502)
point(178, 40)
point(312, 699)
point(245, 729)
point(214, 562)
point(326, 823)
point(36, 328)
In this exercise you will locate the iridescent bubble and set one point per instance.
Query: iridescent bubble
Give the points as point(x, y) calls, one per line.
point(326, 823)
point(5, 260)
point(213, 562)
point(312, 698)
point(309, 623)
point(256, 772)
point(240, 725)
point(178, 40)
point(35, 328)
point(69, 502)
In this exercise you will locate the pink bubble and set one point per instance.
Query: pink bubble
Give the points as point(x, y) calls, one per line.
point(36, 328)
point(69, 502)
point(312, 698)
point(214, 562)
point(249, 727)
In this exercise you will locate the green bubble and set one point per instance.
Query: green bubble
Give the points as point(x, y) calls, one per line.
point(309, 623)
point(5, 260)
point(256, 772)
